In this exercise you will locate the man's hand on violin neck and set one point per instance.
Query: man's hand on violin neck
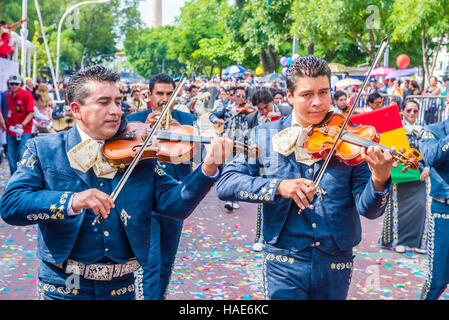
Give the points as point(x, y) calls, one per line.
point(94, 199)
point(154, 116)
point(380, 164)
point(221, 149)
point(300, 190)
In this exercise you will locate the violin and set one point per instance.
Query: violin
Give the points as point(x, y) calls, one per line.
point(330, 137)
point(245, 109)
point(348, 149)
point(174, 145)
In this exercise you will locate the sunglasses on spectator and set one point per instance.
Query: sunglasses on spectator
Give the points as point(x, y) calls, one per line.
point(14, 84)
point(240, 96)
point(411, 110)
point(379, 103)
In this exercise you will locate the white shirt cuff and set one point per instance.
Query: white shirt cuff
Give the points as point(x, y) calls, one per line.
point(215, 174)
point(70, 211)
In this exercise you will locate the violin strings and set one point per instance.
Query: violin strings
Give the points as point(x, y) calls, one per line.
point(350, 137)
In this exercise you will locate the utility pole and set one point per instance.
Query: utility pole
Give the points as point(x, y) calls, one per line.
point(155, 13)
point(24, 35)
point(50, 63)
point(387, 56)
point(295, 45)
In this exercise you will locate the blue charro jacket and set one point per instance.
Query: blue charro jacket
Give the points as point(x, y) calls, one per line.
point(39, 191)
point(434, 148)
point(349, 190)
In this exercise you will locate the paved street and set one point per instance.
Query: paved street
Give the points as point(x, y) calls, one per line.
point(215, 259)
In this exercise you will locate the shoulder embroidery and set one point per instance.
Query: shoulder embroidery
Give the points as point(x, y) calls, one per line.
point(427, 134)
point(28, 159)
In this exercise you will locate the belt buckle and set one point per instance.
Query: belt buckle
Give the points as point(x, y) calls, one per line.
point(75, 267)
point(101, 272)
point(129, 267)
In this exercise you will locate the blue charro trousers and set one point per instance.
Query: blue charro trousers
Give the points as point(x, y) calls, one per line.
point(438, 251)
point(55, 284)
point(309, 274)
point(165, 235)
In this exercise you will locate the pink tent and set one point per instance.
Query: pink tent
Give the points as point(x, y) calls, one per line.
point(380, 71)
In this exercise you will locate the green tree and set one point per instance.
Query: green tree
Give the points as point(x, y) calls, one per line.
point(426, 20)
point(198, 20)
point(151, 51)
point(259, 28)
point(213, 51)
point(93, 29)
point(337, 25)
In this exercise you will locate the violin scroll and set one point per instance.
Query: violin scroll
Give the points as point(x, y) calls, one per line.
point(409, 159)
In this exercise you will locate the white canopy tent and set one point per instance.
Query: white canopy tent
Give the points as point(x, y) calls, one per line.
point(14, 66)
point(30, 48)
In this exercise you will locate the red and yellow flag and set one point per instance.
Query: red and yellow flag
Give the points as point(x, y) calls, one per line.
point(388, 124)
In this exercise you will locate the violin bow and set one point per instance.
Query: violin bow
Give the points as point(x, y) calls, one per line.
point(382, 47)
point(137, 157)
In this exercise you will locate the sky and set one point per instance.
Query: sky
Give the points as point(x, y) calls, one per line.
point(170, 10)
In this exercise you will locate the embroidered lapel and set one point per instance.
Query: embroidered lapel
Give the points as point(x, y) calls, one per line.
point(124, 217)
point(73, 138)
point(290, 161)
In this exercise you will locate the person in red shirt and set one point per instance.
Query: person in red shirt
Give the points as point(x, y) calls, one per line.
point(5, 31)
point(19, 120)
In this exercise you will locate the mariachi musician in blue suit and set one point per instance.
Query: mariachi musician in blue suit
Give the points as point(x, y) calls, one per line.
point(63, 182)
point(434, 146)
point(165, 231)
point(307, 255)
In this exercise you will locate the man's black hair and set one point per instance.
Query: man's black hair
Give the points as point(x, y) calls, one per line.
point(189, 89)
point(2, 23)
point(339, 93)
point(279, 92)
point(372, 97)
point(78, 86)
point(261, 96)
point(306, 66)
point(239, 88)
point(161, 78)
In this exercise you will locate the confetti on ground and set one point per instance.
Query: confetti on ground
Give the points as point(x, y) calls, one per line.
point(18, 264)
